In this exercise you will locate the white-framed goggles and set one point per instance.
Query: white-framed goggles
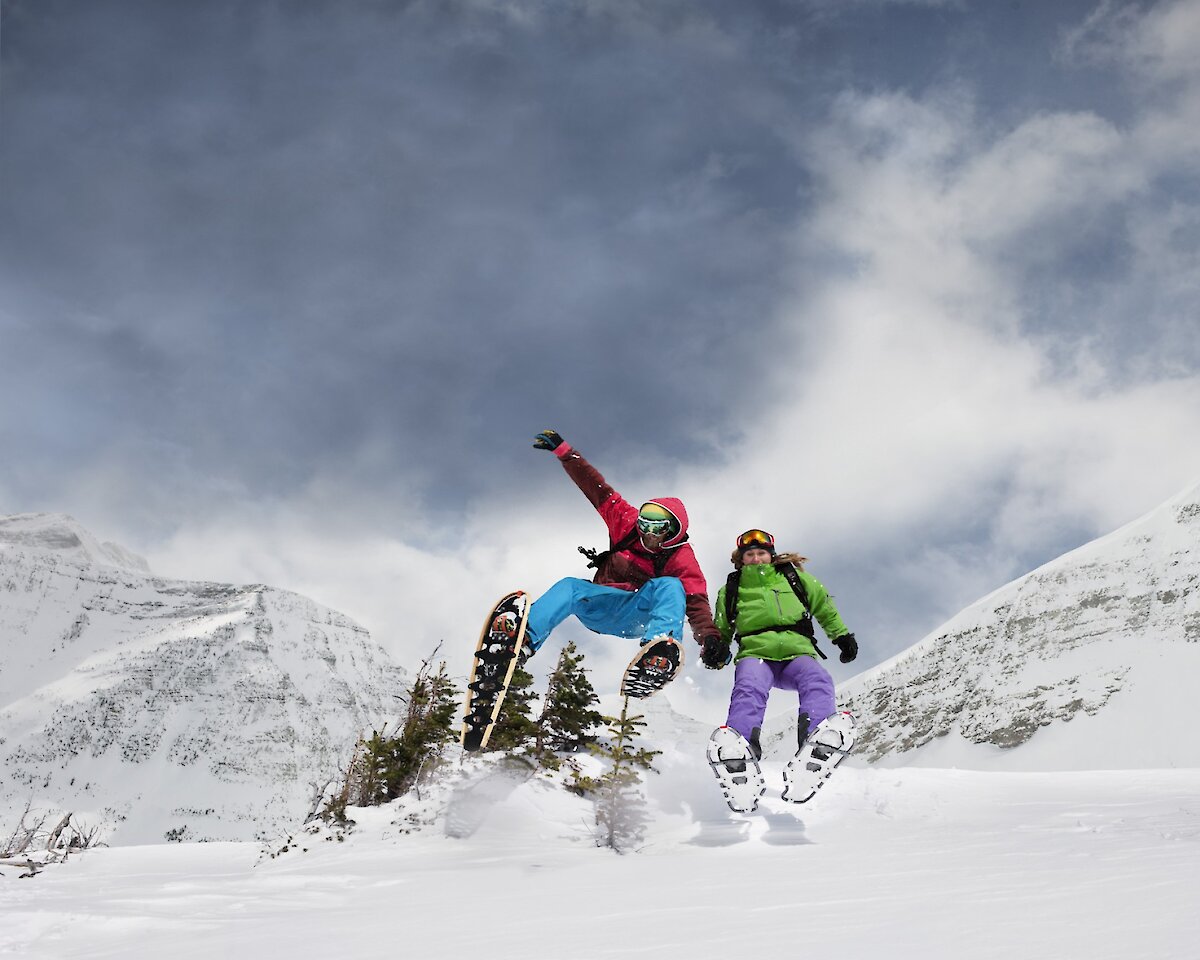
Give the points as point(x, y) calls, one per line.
point(655, 519)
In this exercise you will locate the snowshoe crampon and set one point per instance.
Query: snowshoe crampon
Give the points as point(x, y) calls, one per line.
point(653, 668)
point(826, 746)
point(498, 654)
point(737, 771)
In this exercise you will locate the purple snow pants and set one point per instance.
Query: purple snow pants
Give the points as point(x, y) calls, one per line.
point(754, 678)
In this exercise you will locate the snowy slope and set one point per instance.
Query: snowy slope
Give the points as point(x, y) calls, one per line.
point(493, 860)
point(150, 706)
point(1089, 662)
point(908, 864)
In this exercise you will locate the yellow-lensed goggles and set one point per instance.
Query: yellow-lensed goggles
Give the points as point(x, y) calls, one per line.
point(653, 518)
point(756, 538)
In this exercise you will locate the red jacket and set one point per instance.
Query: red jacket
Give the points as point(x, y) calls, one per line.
point(631, 567)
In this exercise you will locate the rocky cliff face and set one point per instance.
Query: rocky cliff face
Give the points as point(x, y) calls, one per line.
point(161, 709)
point(1105, 639)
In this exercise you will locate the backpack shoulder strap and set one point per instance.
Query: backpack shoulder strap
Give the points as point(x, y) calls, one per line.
point(805, 626)
point(789, 571)
point(735, 578)
point(731, 599)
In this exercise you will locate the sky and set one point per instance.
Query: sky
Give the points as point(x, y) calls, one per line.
point(286, 289)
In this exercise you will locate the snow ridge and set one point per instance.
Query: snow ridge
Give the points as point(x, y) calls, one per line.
point(63, 535)
point(1106, 638)
point(162, 709)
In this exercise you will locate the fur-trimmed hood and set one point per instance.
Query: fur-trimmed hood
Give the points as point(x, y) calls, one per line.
point(793, 558)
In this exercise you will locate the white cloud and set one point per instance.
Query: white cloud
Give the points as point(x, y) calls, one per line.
point(1155, 48)
point(1156, 43)
point(412, 583)
point(918, 398)
point(915, 413)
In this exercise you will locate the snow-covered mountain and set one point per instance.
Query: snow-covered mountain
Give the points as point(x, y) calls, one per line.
point(199, 710)
point(1126, 838)
point(66, 538)
point(1092, 661)
point(160, 708)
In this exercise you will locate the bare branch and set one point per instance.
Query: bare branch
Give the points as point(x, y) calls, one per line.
point(57, 831)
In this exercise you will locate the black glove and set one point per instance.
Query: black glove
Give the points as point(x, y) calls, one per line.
point(849, 647)
point(715, 652)
point(547, 440)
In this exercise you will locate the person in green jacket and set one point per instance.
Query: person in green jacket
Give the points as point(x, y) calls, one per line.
point(773, 628)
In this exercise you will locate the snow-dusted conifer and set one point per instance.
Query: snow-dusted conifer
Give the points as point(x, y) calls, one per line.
point(621, 814)
point(568, 722)
point(515, 726)
point(387, 766)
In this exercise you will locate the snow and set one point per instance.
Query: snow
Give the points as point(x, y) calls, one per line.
point(1144, 725)
point(1104, 640)
point(1034, 789)
point(147, 706)
point(65, 536)
point(899, 863)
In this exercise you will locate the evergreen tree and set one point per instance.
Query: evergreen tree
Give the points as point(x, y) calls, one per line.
point(621, 814)
point(568, 721)
point(385, 766)
point(515, 727)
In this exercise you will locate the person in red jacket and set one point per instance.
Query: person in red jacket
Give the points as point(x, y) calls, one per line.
point(645, 582)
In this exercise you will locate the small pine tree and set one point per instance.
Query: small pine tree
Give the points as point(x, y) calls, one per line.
point(385, 766)
point(621, 814)
point(568, 721)
point(515, 727)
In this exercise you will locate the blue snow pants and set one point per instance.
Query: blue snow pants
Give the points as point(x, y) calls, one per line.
point(658, 607)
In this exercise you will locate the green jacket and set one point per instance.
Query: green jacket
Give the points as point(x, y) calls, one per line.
point(766, 599)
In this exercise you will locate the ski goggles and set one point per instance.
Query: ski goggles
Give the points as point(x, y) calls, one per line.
point(756, 539)
point(654, 519)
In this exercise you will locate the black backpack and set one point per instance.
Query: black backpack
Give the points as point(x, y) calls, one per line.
point(803, 626)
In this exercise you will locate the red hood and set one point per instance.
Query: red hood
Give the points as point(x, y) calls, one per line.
point(680, 513)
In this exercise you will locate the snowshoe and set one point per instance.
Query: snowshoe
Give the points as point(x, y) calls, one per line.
point(826, 747)
point(501, 649)
point(736, 769)
point(653, 668)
